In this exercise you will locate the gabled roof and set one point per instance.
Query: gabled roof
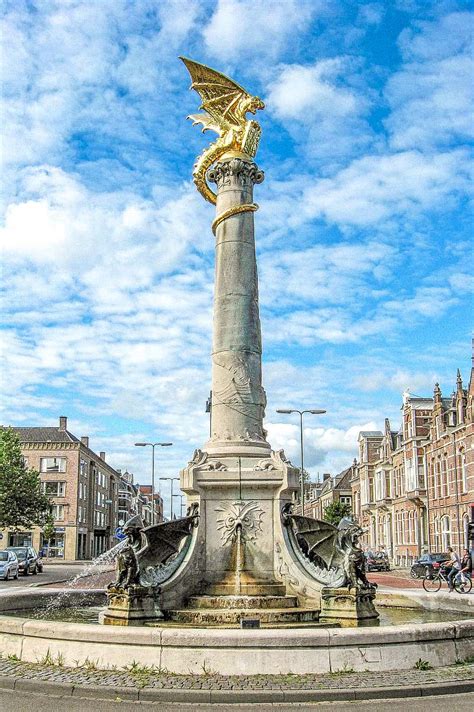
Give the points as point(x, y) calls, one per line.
point(45, 435)
point(342, 480)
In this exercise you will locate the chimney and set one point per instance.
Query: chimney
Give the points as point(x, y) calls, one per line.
point(326, 476)
point(85, 440)
point(102, 455)
point(62, 422)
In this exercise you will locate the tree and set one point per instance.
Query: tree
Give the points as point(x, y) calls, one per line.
point(335, 511)
point(48, 532)
point(22, 504)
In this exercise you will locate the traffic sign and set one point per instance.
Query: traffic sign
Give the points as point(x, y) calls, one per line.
point(119, 534)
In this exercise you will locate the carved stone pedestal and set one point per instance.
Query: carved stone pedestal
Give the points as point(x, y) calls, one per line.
point(349, 607)
point(133, 606)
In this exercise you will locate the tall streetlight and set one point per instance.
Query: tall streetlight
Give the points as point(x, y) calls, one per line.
point(182, 503)
point(153, 445)
point(172, 479)
point(287, 411)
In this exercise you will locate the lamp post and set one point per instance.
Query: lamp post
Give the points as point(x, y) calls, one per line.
point(172, 479)
point(288, 411)
point(153, 445)
point(182, 503)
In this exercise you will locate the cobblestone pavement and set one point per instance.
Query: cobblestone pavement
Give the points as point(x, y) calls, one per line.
point(138, 677)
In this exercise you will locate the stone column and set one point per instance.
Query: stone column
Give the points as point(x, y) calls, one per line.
point(238, 399)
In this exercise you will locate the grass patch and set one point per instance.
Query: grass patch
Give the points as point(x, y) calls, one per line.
point(50, 661)
point(343, 671)
point(422, 665)
point(465, 661)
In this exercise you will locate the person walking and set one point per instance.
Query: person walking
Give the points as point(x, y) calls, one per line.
point(453, 567)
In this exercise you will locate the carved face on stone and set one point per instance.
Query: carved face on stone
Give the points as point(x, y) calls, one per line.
point(244, 515)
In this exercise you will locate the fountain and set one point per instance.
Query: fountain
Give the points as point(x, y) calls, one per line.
point(183, 588)
point(246, 554)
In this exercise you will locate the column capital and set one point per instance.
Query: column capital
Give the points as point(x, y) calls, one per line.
point(228, 172)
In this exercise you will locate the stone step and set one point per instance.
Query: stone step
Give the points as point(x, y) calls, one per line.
point(254, 588)
point(219, 616)
point(242, 602)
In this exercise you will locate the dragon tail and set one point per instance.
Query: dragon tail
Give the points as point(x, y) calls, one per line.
point(202, 165)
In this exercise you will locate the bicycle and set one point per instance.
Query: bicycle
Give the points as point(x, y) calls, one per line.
point(433, 582)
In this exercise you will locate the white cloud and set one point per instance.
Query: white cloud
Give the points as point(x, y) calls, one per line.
point(431, 96)
point(308, 92)
point(324, 107)
point(257, 27)
point(375, 188)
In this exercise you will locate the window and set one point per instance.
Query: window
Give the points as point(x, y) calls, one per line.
point(437, 479)
point(444, 477)
point(345, 499)
point(58, 512)
point(463, 468)
point(378, 485)
point(364, 492)
point(82, 467)
point(445, 532)
point(53, 464)
point(54, 489)
point(25, 460)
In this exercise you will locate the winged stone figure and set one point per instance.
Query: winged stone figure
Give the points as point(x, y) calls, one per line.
point(225, 105)
point(331, 548)
point(162, 543)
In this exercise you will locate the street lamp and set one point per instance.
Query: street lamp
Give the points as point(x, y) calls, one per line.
point(153, 445)
point(182, 503)
point(172, 479)
point(288, 411)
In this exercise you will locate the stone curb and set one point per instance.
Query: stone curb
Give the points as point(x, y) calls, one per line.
point(149, 694)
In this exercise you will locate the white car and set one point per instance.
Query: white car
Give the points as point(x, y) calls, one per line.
point(8, 565)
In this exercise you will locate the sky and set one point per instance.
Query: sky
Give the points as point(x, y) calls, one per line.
point(363, 233)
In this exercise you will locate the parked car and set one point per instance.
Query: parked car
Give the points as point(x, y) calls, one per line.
point(39, 563)
point(8, 565)
point(424, 566)
point(27, 559)
point(377, 561)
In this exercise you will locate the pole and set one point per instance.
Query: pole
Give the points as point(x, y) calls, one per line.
point(153, 484)
point(302, 465)
point(172, 486)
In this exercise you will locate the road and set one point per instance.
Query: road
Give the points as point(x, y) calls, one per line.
point(51, 574)
point(31, 702)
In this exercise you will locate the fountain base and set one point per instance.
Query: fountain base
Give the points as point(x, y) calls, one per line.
point(136, 605)
point(230, 610)
point(349, 607)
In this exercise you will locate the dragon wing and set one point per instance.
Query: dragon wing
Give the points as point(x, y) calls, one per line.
point(320, 537)
point(220, 95)
point(163, 540)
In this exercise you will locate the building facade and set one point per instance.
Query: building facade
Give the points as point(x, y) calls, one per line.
point(83, 489)
point(413, 488)
point(332, 489)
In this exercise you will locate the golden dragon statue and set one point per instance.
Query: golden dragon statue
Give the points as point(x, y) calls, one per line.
point(225, 105)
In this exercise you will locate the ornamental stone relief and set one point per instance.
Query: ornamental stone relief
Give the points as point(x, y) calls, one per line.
point(246, 515)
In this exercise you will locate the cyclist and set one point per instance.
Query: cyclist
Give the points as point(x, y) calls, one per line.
point(452, 567)
point(466, 565)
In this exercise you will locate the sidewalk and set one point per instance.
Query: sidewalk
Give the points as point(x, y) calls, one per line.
point(152, 685)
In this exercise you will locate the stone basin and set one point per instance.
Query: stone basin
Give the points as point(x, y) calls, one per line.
point(185, 649)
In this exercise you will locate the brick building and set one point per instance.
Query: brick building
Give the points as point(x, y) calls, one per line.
point(145, 494)
point(332, 489)
point(413, 488)
point(83, 489)
point(449, 464)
